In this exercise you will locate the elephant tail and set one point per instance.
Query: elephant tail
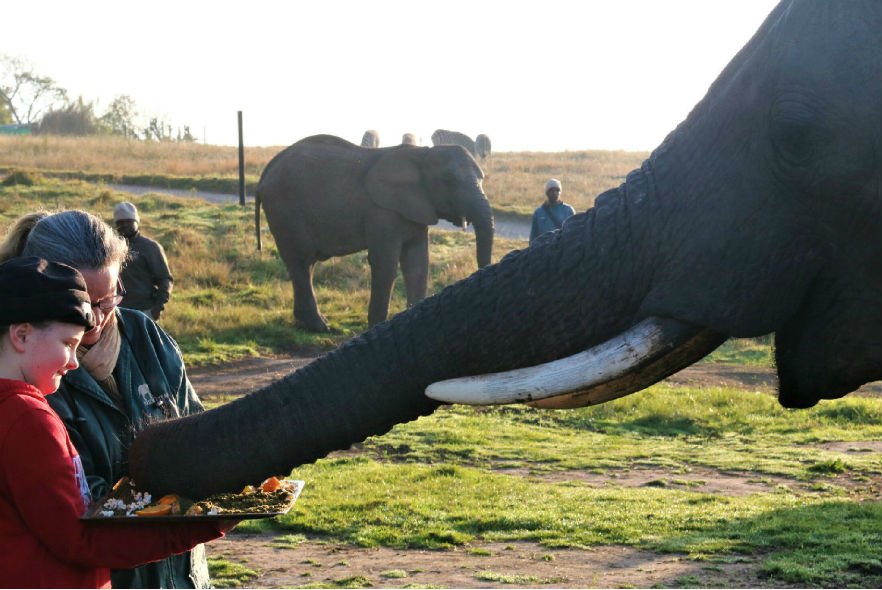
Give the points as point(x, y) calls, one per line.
point(257, 219)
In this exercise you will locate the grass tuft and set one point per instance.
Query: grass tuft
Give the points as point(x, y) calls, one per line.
point(226, 574)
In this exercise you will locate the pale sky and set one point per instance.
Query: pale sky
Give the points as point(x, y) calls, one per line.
point(545, 75)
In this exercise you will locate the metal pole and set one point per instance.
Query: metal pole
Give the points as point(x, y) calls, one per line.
point(241, 164)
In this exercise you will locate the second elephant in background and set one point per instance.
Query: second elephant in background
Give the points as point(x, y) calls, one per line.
point(482, 146)
point(324, 197)
point(446, 137)
point(370, 138)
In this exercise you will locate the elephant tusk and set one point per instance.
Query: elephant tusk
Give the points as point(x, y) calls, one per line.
point(649, 351)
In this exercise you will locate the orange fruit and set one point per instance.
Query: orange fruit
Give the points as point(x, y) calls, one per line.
point(155, 510)
point(270, 484)
point(169, 499)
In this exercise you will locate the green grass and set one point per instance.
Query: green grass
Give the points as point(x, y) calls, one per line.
point(755, 352)
point(436, 483)
point(352, 582)
point(228, 574)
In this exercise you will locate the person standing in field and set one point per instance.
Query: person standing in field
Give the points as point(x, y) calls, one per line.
point(553, 212)
point(44, 311)
point(146, 277)
point(131, 372)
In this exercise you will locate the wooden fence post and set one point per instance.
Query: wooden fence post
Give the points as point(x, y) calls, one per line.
point(241, 164)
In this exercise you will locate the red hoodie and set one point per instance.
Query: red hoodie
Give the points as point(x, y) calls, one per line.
point(43, 492)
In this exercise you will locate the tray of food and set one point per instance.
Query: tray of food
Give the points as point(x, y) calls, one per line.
point(126, 503)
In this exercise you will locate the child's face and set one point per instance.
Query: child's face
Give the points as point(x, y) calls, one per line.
point(49, 353)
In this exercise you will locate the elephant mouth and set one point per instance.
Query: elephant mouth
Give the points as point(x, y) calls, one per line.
point(649, 351)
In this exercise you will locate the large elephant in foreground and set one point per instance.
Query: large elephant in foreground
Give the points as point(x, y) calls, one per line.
point(760, 213)
point(324, 197)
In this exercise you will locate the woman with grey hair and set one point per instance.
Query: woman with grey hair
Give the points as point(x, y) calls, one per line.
point(131, 372)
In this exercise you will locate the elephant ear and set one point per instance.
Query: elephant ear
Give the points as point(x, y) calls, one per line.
point(395, 182)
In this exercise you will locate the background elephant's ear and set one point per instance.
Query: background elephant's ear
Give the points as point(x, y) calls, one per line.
point(395, 183)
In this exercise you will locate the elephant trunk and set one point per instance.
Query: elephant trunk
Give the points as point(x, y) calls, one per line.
point(570, 290)
point(480, 215)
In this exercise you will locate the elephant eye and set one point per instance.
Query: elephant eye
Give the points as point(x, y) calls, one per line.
point(795, 133)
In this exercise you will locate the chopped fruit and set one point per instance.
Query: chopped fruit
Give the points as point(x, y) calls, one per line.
point(155, 510)
point(169, 499)
point(270, 484)
point(194, 510)
point(249, 490)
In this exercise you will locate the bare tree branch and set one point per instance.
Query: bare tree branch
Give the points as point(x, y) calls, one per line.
point(25, 93)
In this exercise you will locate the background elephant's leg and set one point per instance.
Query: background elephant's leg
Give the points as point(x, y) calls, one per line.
point(415, 267)
point(306, 313)
point(383, 257)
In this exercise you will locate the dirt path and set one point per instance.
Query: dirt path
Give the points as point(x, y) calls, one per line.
point(282, 561)
point(485, 565)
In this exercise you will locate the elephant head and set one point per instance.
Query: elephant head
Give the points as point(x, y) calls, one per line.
point(760, 213)
point(428, 184)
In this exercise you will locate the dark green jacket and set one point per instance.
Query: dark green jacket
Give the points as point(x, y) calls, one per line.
point(146, 277)
point(151, 377)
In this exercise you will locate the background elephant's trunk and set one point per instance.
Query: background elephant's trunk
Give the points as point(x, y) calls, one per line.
point(568, 291)
point(480, 215)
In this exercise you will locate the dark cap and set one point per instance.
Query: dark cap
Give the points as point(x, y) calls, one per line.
point(34, 290)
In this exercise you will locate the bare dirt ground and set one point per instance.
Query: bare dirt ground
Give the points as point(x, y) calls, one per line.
point(518, 564)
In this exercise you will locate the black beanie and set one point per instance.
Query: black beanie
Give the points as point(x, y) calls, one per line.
point(34, 290)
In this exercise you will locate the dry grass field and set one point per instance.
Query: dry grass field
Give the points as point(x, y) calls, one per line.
point(514, 181)
point(117, 155)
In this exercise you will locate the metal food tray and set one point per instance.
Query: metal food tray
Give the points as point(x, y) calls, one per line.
point(122, 492)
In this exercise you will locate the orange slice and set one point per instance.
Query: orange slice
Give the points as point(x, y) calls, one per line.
point(270, 484)
point(169, 499)
point(155, 510)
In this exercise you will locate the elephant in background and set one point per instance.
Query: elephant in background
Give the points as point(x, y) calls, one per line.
point(370, 139)
point(445, 137)
point(760, 213)
point(482, 146)
point(324, 196)
point(408, 139)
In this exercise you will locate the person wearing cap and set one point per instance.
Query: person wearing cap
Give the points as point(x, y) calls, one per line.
point(131, 372)
point(44, 311)
point(146, 276)
point(552, 213)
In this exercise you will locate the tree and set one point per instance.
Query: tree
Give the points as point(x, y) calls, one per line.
point(119, 118)
point(74, 118)
point(26, 94)
point(159, 129)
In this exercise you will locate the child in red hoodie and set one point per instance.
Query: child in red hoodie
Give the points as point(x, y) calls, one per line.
point(44, 309)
